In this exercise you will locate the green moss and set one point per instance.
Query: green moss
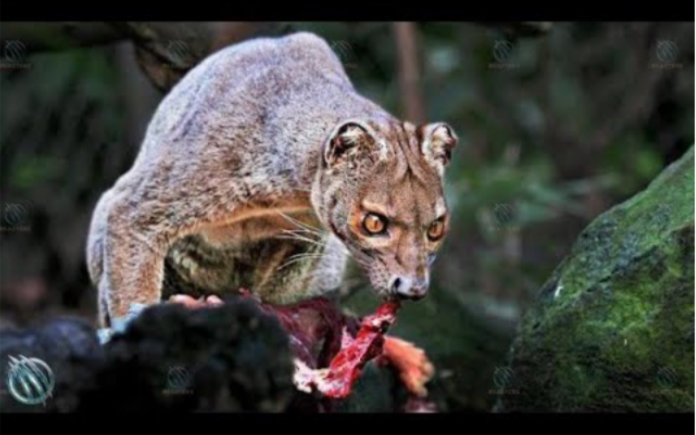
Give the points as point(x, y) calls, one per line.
point(613, 329)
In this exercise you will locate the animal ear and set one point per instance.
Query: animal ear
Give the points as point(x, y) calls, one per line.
point(438, 141)
point(347, 140)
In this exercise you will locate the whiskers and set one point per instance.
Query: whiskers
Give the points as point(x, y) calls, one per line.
point(301, 237)
point(318, 239)
point(300, 257)
point(363, 259)
point(304, 233)
point(301, 226)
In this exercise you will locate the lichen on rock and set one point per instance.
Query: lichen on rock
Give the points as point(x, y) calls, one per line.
point(613, 328)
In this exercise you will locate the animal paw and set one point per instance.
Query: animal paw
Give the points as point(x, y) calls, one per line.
point(191, 302)
point(413, 365)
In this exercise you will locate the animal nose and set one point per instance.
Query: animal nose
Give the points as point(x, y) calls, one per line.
point(409, 288)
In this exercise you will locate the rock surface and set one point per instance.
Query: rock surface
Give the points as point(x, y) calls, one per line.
point(170, 359)
point(613, 328)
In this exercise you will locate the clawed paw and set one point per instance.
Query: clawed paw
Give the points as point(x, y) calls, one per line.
point(191, 302)
point(413, 365)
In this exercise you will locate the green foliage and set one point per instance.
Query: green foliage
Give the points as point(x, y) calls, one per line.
point(71, 102)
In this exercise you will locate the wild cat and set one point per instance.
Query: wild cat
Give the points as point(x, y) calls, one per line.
point(265, 169)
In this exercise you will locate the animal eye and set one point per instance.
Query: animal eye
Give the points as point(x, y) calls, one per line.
point(436, 230)
point(374, 223)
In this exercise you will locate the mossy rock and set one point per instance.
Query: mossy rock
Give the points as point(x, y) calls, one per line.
point(613, 329)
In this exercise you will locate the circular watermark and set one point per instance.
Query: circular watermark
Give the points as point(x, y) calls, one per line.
point(14, 214)
point(178, 378)
point(14, 218)
point(502, 50)
point(353, 58)
point(502, 377)
point(503, 381)
point(14, 51)
point(178, 381)
point(30, 380)
point(666, 55)
point(503, 54)
point(667, 378)
point(178, 51)
point(504, 215)
point(344, 51)
point(666, 51)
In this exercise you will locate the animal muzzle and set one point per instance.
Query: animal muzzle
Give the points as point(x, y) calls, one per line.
point(407, 287)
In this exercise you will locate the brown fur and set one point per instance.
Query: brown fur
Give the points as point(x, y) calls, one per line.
point(262, 137)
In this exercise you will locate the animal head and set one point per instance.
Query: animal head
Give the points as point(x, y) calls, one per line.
point(379, 189)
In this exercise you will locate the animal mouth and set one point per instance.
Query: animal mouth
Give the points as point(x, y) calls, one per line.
point(366, 261)
point(413, 298)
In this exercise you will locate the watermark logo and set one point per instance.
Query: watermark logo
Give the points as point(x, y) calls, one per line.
point(667, 51)
point(666, 55)
point(178, 381)
point(503, 52)
point(504, 215)
point(667, 380)
point(355, 59)
point(15, 218)
point(13, 55)
point(344, 51)
point(503, 381)
point(30, 380)
point(178, 51)
point(502, 377)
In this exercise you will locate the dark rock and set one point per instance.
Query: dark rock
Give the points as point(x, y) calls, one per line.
point(231, 358)
point(68, 346)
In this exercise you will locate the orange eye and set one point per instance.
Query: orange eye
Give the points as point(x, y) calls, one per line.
point(436, 230)
point(374, 223)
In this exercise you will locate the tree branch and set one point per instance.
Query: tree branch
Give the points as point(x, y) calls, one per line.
point(406, 38)
point(165, 51)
